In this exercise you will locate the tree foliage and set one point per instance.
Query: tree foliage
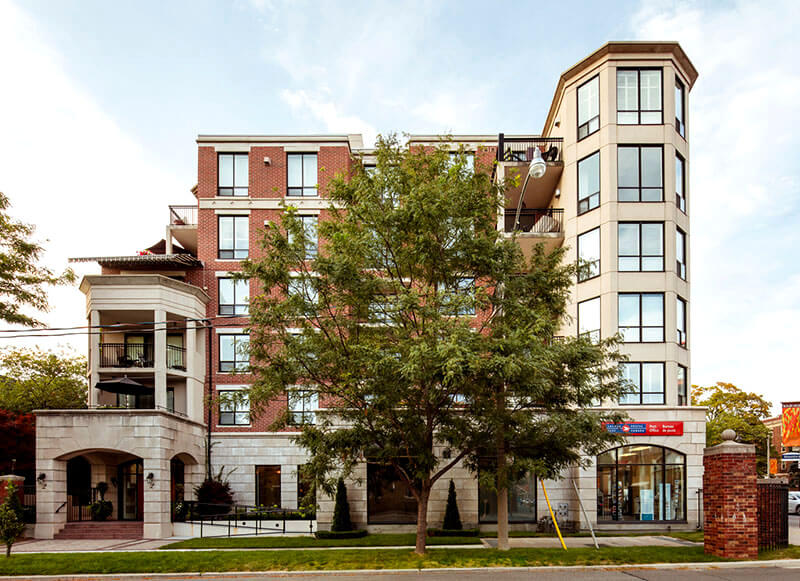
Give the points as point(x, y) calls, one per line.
point(381, 325)
point(33, 379)
point(452, 518)
point(18, 451)
point(341, 509)
point(11, 524)
point(23, 282)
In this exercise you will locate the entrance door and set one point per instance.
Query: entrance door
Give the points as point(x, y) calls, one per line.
point(268, 486)
point(131, 491)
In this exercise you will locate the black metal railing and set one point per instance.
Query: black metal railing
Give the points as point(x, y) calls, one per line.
point(773, 515)
point(176, 357)
point(238, 519)
point(29, 503)
point(183, 215)
point(535, 221)
point(78, 505)
point(522, 148)
point(150, 406)
point(126, 355)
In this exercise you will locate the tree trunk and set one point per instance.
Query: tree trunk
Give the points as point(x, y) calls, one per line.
point(502, 496)
point(8, 550)
point(422, 520)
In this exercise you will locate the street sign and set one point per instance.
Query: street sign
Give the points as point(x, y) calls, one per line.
point(790, 456)
point(646, 428)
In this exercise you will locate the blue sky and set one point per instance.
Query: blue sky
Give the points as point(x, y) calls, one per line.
point(101, 101)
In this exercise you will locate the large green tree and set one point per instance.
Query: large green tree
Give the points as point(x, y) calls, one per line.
point(23, 282)
point(395, 326)
point(33, 379)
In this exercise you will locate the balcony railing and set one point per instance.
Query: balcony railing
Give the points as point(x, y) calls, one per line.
point(122, 355)
point(535, 221)
point(183, 215)
point(176, 357)
point(521, 148)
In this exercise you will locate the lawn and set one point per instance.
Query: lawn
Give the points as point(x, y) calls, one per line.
point(275, 542)
point(202, 561)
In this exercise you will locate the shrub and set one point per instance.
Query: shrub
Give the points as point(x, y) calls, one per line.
point(341, 511)
point(101, 509)
point(11, 525)
point(340, 534)
point(214, 495)
point(452, 519)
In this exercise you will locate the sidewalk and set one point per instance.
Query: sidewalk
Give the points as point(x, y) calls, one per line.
point(577, 542)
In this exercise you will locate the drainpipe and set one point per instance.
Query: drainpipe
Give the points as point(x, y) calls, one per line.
point(210, 394)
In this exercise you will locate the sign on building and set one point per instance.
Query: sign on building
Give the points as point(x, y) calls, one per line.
point(646, 428)
point(790, 424)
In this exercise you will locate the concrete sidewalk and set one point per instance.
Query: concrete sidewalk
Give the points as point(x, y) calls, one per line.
point(578, 542)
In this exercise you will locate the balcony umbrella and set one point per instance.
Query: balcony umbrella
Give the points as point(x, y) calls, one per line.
point(125, 386)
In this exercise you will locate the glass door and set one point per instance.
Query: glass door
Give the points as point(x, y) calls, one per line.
point(131, 497)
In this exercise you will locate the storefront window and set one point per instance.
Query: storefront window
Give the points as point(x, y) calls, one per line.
point(521, 499)
point(641, 483)
point(389, 498)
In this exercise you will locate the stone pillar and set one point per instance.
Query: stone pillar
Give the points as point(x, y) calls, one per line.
point(50, 515)
point(160, 357)
point(730, 498)
point(94, 358)
point(194, 367)
point(157, 510)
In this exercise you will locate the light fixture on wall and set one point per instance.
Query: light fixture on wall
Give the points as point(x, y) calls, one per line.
point(536, 169)
point(151, 480)
point(42, 480)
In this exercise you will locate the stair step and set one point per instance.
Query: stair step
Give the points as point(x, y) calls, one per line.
point(101, 530)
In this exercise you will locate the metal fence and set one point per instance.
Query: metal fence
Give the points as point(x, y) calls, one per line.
point(183, 215)
point(773, 515)
point(222, 520)
point(522, 148)
point(535, 221)
point(126, 355)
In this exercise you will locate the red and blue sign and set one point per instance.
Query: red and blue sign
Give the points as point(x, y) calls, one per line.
point(646, 428)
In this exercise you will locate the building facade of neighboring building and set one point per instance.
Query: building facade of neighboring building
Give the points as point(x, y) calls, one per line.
point(615, 192)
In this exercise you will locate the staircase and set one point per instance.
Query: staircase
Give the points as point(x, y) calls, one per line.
point(111, 529)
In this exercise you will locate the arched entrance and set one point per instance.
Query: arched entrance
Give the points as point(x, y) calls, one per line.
point(79, 488)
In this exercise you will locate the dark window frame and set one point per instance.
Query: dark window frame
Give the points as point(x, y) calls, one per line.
point(232, 366)
point(680, 199)
point(376, 466)
point(232, 253)
point(306, 415)
point(598, 193)
point(639, 187)
point(641, 392)
point(235, 308)
point(640, 256)
point(234, 187)
point(639, 109)
point(599, 258)
point(302, 187)
point(640, 326)
point(680, 258)
point(232, 412)
point(588, 123)
point(681, 335)
point(600, 319)
point(310, 250)
point(264, 471)
point(683, 395)
point(680, 123)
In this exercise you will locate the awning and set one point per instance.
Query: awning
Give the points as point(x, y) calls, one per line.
point(125, 386)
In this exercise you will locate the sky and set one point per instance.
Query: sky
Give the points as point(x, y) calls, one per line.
point(100, 104)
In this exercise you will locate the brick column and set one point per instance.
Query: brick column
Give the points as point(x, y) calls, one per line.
point(730, 499)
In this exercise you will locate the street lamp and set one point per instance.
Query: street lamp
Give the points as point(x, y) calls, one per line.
point(536, 169)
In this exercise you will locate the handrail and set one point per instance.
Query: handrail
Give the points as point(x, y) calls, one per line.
point(534, 220)
point(520, 149)
point(63, 504)
point(183, 215)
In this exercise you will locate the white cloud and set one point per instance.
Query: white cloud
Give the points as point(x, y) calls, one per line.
point(329, 113)
point(745, 188)
point(68, 168)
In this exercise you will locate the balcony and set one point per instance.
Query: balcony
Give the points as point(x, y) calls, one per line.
point(545, 226)
point(183, 226)
point(513, 156)
point(139, 355)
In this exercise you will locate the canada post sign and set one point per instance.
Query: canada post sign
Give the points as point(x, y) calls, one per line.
point(646, 428)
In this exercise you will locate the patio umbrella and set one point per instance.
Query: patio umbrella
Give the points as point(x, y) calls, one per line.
point(124, 385)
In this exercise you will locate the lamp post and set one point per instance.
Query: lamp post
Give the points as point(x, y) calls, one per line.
point(537, 169)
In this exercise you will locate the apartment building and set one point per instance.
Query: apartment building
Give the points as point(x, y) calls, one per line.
point(615, 192)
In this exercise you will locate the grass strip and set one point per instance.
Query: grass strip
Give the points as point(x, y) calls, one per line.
point(266, 542)
point(205, 561)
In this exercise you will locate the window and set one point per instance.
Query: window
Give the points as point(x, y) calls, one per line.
point(521, 497)
point(639, 97)
point(268, 486)
point(640, 246)
point(234, 352)
point(469, 160)
point(389, 498)
point(459, 300)
point(680, 313)
point(306, 497)
point(302, 174)
point(682, 396)
point(234, 237)
point(589, 255)
point(680, 183)
point(589, 319)
point(309, 224)
point(645, 384)
point(303, 406)
point(639, 173)
point(303, 287)
point(588, 107)
point(680, 253)
point(233, 296)
point(680, 124)
point(232, 174)
point(641, 483)
point(589, 183)
point(641, 317)
point(234, 408)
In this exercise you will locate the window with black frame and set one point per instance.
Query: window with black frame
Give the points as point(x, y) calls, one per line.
point(680, 311)
point(234, 296)
point(389, 497)
point(680, 105)
point(639, 97)
point(309, 224)
point(645, 383)
point(640, 483)
point(683, 398)
point(589, 319)
point(302, 174)
point(234, 408)
point(303, 404)
point(232, 173)
point(640, 246)
point(589, 107)
point(640, 175)
point(233, 237)
point(589, 254)
point(589, 183)
point(680, 183)
point(680, 253)
point(234, 351)
point(641, 317)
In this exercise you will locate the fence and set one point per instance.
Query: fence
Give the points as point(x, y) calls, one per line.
point(535, 221)
point(773, 515)
point(522, 148)
point(183, 215)
point(221, 520)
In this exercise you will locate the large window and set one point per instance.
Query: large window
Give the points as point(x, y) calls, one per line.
point(589, 255)
point(589, 319)
point(641, 483)
point(680, 253)
point(641, 246)
point(681, 379)
point(645, 384)
point(232, 174)
point(389, 498)
point(639, 99)
point(309, 224)
point(588, 107)
point(459, 299)
point(234, 408)
point(302, 174)
point(234, 352)
point(303, 406)
point(640, 173)
point(589, 183)
point(680, 103)
point(641, 317)
point(680, 312)
point(268, 486)
point(234, 237)
point(303, 287)
point(233, 296)
point(521, 498)
point(680, 183)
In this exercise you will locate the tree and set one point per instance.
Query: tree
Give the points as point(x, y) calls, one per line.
point(341, 510)
point(33, 379)
point(11, 523)
point(18, 452)
point(382, 323)
point(452, 518)
point(23, 282)
point(732, 408)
